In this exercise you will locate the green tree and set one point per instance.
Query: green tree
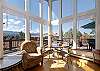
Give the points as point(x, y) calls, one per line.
point(69, 34)
point(79, 34)
point(86, 35)
point(21, 35)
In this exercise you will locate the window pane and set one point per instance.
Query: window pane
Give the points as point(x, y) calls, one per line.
point(45, 11)
point(67, 7)
point(84, 5)
point(34, 7)
point(16, 3)
point(55, 10)
point(13, 23)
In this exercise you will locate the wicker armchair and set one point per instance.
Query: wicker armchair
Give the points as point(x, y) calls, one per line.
point(31, 57)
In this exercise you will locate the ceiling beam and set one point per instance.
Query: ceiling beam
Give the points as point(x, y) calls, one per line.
point(14, 11)
point(84, 15)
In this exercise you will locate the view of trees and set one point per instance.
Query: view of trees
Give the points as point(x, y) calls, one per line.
point(69, 34)
point(85, 35)
point(21, 35)
point(13, 35)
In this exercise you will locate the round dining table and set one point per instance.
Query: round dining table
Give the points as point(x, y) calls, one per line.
point(10, 60)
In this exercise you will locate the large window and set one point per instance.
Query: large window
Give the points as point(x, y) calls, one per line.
point(86, 33)
point(68, 33)
point(13, 23)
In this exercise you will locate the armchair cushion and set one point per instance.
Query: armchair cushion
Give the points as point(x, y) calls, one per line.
point(30, 55)
point(29, 46)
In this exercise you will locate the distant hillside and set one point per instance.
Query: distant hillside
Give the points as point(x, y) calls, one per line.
point(35, 34)
point(12, 33)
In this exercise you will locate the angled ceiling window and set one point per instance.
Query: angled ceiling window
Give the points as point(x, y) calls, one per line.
point(85, 5)
point(17, 4)
point(55, 10)
point(66, 7)
point(34, 7)
point(45, 11)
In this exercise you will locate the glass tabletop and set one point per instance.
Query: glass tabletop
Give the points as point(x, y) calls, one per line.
point(10, 60)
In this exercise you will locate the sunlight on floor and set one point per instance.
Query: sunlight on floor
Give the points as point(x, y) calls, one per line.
point(84, 64)
point(58, 64)
point(55, 64)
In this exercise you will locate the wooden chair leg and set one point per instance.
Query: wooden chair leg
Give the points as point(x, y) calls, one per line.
point(20, 67)
point(42, 62)
point(15, 68)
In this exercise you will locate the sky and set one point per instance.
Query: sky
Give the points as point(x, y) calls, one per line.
point(14, 23)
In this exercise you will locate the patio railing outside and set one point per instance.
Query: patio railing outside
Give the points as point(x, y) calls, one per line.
point(14, 44)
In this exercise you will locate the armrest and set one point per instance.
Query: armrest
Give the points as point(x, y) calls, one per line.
point(23, 52)
point(96, 51)
point(39, 50)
